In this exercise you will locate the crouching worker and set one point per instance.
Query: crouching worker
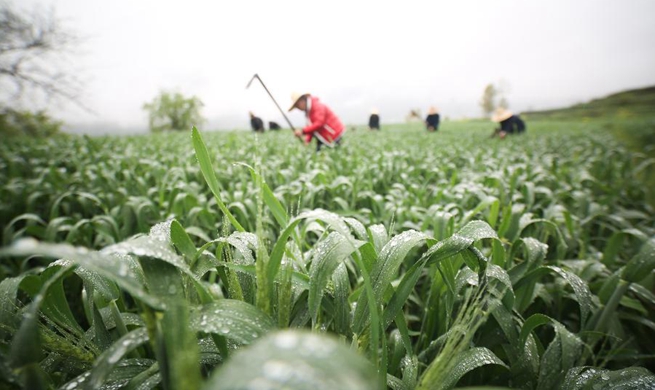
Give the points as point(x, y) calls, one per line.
point(509, 123)
point(322, 123)
point(256, 123)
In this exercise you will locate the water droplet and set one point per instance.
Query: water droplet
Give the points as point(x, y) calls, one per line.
point(71, 385)
point(286, 341)
point(260, 384)
point(115, 357)
point(277, 370)
point(122, 270)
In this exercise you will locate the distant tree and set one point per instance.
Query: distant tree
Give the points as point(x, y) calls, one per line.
point(26, 123)
point(34, 48)
point(488, 101)
point(171, 111)
point(503, 102)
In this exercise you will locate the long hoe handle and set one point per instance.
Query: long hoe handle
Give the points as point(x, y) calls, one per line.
point(256, 76)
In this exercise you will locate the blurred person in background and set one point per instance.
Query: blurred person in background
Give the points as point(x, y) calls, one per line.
point(374, 120)
point(509, 123)
point(322, 123)
point(432, 120)
point(256, 123)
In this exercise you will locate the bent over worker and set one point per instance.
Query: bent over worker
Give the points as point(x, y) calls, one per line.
point(509, 123)
point(256, 123)
point(322, 123)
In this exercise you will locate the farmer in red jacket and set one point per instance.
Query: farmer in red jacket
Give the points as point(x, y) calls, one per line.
point(322, 123)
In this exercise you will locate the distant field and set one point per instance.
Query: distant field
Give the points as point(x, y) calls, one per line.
point(404, 258)
point(636, 103)
point(629, 115)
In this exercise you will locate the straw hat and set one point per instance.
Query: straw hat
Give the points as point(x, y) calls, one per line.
point(374, 111)
point(501, 114)
point(432, 110)
point(295, 97)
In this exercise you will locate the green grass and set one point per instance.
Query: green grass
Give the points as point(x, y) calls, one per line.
point(629, 115)
point(403, 259)
point(636, 103)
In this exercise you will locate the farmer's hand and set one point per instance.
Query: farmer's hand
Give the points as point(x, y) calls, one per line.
point(298, 133)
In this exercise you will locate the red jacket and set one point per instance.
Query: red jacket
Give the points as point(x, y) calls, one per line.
point(323, 123)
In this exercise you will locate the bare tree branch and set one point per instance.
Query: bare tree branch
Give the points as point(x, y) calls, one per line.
point(34, 58)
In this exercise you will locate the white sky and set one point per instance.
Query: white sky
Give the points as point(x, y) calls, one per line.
point(355, 55)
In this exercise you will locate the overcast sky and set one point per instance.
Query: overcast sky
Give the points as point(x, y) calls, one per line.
point(354, 55)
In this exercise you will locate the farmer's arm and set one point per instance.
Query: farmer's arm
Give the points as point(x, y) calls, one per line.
point(319, 120)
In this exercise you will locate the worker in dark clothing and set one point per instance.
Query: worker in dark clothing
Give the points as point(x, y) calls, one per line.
point(432, 120)
point(256, 123)
point(273, 126)
point(374, 120)
point(509, 123)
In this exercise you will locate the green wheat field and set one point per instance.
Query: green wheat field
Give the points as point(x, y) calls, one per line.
point(403, 260)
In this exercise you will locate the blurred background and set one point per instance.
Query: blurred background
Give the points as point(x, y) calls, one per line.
point(355, 55)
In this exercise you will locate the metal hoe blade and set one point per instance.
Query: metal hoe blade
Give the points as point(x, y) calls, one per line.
point(251, 80)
